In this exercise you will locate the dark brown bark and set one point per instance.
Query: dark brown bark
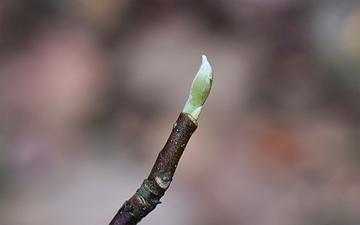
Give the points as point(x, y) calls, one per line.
point(153, 188)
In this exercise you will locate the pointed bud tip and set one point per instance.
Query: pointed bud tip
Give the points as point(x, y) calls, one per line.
point(204, 58)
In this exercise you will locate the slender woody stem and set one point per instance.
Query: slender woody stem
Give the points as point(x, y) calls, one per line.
point(148, 196)
point(153, 188)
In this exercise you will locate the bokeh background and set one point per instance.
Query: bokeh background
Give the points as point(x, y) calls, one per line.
point(89, 91)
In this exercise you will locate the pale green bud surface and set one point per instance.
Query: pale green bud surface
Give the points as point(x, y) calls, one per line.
point(200, 89)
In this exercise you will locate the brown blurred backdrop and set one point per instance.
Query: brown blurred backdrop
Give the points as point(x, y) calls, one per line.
point(89, 91)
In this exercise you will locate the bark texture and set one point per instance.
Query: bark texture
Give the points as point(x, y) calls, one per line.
point(148, 196)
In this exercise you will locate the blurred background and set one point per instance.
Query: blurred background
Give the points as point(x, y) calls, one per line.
point(89, 91)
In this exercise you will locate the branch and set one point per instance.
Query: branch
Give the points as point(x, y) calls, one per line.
point(148, 196)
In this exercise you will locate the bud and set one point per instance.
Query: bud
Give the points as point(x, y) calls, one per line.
point(200, 89)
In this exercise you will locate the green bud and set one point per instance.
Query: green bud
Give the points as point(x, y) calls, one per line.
point(200, 89)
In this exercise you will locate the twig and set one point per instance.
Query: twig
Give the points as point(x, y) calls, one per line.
point(148, 196)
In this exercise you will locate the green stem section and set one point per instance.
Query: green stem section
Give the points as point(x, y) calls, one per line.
point(153, 188)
